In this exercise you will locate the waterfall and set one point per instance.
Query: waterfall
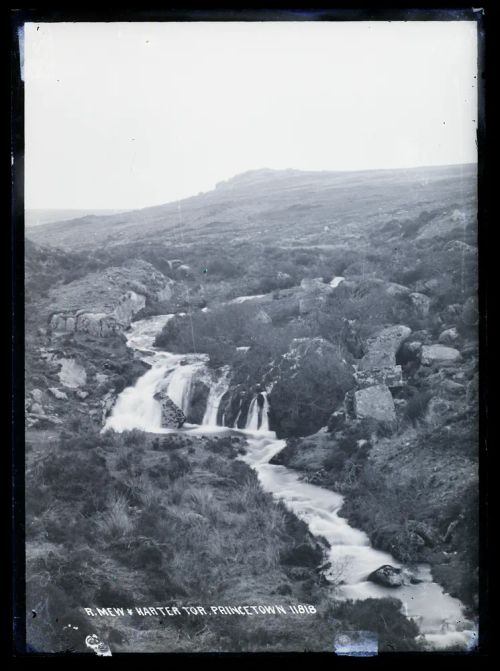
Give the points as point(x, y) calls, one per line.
point(217, 391)
point(258, 415)
point(135, 407)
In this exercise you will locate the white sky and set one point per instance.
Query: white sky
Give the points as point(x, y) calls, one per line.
point(127, 115)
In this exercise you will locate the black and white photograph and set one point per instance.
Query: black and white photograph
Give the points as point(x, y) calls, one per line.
point(251, 335)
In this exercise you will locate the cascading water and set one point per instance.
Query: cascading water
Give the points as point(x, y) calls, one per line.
point(217, 391)
point(440, 617)
point(258, 415)
point(136, 407)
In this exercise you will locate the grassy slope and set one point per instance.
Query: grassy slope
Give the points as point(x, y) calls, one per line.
point(133, 520)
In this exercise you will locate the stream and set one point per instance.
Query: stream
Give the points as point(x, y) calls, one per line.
point(439, 617)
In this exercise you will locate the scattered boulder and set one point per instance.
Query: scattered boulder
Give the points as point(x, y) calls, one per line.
point(71, 375)
point(374, 403)
point(172, 416)
point(421, 303)
point(82, 394)
point(439, 354)
point(448, 336)
point(390, 576)
point(396, 290)
point(57, 393)
point(37, 395)
point(37, 409)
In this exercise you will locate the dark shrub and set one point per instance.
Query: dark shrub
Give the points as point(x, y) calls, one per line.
point(417, 406)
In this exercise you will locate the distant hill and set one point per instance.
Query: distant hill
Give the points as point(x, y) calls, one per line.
point(268, 204)
point(38, 217)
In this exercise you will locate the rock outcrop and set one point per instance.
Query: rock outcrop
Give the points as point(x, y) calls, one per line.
point(172, 416)
point(105, 302)
point(374, 403)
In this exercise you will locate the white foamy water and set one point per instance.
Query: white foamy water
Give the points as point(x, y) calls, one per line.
point(244, 299)
point(136, 407)
point(258, 415)
point(336, 281)
point(217, 391)
point(439, 616)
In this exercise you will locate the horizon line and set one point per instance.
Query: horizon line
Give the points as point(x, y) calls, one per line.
point(123, 210)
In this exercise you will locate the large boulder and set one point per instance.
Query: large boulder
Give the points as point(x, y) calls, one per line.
point(308, 382)
point(374, 403)
point(172, 416)
point(381, 348)
point(439, 354)
point(390, 576)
